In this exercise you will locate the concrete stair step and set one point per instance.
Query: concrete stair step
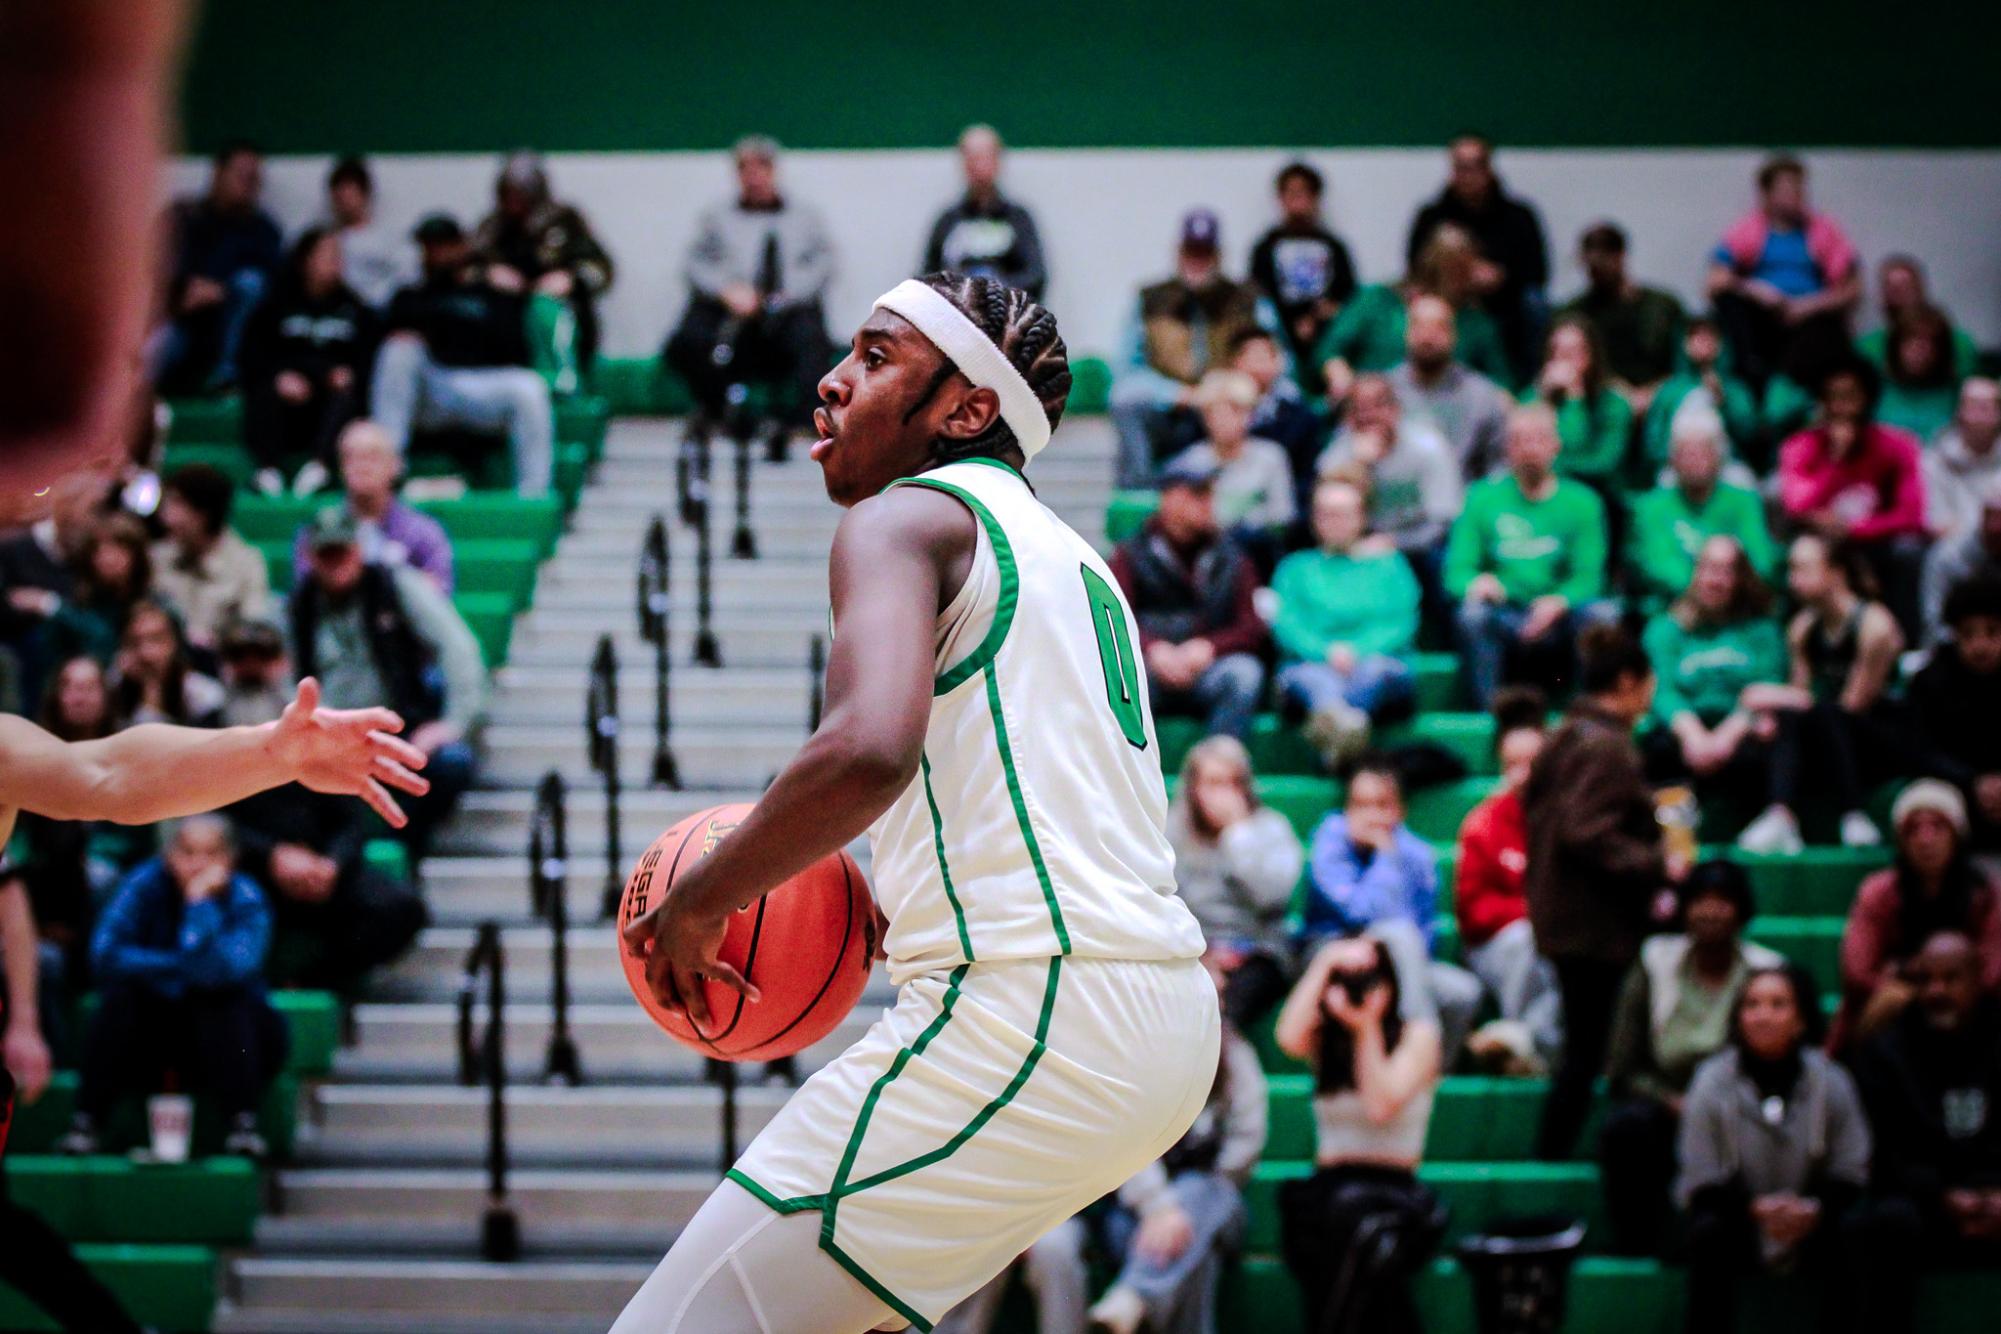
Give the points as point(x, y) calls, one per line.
point(361, 1296)
point(744, 755)
point(495, 820)
point(559, 639)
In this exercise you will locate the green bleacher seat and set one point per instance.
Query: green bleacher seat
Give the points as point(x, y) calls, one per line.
point(1090, 386)
point(1437, 681)
point(1812, 942)
point(163, 1287)
point(37, 1126)
point(313, 1018)
point(491, 617)
point(387, 855)
point(233, 460)
point(1478, 1193)
point(107, 1198)
point(218, 418)
point(1278, 747)
point(639, 386)
point(474, 517)
point(1473, 1119)
point(1128, 513)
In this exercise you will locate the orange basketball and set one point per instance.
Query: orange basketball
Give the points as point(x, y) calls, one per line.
point(807, 946)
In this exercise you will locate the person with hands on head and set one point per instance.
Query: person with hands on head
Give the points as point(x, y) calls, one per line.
point(1774, 1155)
point(1362, 1016)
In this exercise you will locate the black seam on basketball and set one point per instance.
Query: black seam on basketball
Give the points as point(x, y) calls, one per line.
point(834, 970)
point(749, 962)
point(672, 868)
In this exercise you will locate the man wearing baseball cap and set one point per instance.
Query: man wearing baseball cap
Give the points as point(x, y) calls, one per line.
point(1180, 328)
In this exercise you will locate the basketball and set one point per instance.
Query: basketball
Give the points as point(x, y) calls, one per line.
point(807, 946)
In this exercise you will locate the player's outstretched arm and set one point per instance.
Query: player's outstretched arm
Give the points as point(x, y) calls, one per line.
point(893, 556)
point(156, 772)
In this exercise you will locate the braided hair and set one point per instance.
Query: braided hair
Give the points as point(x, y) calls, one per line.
point(1026, 335)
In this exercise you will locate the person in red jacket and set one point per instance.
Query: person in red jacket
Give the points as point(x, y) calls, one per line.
point(1492, 908)
point(1850, 478)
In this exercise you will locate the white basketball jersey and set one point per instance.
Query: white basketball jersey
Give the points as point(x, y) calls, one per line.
point(1037, 824)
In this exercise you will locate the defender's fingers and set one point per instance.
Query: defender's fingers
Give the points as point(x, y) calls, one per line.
point(383, 804)
point(396, 748)
point(391, 773)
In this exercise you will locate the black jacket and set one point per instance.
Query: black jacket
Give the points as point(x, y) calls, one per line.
point(1298, 268)
point(1934, 1101)
point(336, 827)
point(1958, 715)
point(992, 240)
point(463, 322)
point(290, 331)
point(1508, 232)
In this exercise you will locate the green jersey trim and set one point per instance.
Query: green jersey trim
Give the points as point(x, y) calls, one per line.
point(1010, 589)
point(1021, 812)
point(944, 867)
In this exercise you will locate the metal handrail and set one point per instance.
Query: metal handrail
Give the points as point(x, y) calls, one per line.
point(602, 729)
point(655, 609)
point(816, 682)
point(691, 472)
point(486, 1058)
point(548, 880)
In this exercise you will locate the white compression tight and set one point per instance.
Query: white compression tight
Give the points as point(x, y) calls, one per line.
point(741, 1268)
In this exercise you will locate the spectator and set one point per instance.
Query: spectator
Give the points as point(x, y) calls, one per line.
point(1720, 656)
point(1774, 1155)
point(203, 568)
point(1373, 330)
point(1932, 1083)
point(1674, 1013)
point(1468, 409)
point(114, 572)
point(1253, 488)
point(1920, 382)
point(1700, 371)
point(1638, 327)
point(391, 533)
point(1281, 415)
point(1783, 280)
point(1934, 886)
point(1346, 626)
point(1371, 873)
point(1364, 1019)
point(1492, 906)
point(1901, 287)
point(179, 959)
point(1850, 478)
point(456, 358)
point(375, 260)
point(534, 243)
point(1178, 329)
point(1236, 862)
point(1526, 563)
point(223, 248)
point(1415, 490)
point(337, 917)
point(1191, 590)
point(1304, 269)
point(1834, 715)
point(306, 353)
point(1054, 1268)
point(380, 636)
point(1595, 865)
point(984, 234)
point(36, 1261)
point(69, 866)
point(1514, 259)
point(1956, 702)
point(1692, 506)
point(757, 274)
point(38, 574)
point(1952, 562)
point(256, 678)
point(154, 682)
point(1963, 464)
point(1593, 421)
point(1177, 1220)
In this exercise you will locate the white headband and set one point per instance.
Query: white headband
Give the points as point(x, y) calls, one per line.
point(975, 355)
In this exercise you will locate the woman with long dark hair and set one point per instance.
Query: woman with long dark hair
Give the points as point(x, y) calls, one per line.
point(1357, 1229)
point(1774, 1155)
point(305, 359)
point(114, 569)
point(154, 682)
point(1593, 419)
point(1920, 379)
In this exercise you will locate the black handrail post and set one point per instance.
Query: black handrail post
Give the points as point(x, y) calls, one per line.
point(602, 730)
point(707, 652)
point(727, 1077)
point(655, 608)
point(500, 1229)
point(816, 682)
point(549, 867)
point(744, 545)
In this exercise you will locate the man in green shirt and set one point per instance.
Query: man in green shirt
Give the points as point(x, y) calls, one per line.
point(1639, 327)
point(1671, 522)
point(1526, 561)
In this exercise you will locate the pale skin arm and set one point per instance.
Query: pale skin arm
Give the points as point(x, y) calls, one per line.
point(893, 557)
point(157, 772)
point(25, 1054)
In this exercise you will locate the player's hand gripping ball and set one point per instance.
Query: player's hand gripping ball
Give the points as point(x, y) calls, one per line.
point(807, 947)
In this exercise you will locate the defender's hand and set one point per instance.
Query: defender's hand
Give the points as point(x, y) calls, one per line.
point(347, 752)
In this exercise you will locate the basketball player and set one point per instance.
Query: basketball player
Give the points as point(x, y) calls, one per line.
point(987, 725)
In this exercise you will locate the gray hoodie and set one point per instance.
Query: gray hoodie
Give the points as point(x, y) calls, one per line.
point(730, 245)
point(1956, 482)
point(1239, 886)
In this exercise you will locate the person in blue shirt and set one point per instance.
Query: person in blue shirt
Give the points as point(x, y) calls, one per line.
point(1369, 872)
point(179, 960)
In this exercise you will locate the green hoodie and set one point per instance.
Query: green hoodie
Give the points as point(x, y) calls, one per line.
point(1739, 411)
point(1594, 435)
point(1703, 671)
point(1368, 334)
point(1667, 534)
point(1556, 545)
point(1325, 598)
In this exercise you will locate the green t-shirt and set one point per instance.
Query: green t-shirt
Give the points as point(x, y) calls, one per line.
point(1922, 412)
point(1324, 599)
point(1875, 345)
point(1594, 434)
point(1667, 534)
point(1788, 407)
point(1703, 670)
point(1554, 545)
point(1739, 411)
point(1368, 334)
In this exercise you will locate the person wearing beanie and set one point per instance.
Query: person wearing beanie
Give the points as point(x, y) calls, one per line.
point(1933, 886)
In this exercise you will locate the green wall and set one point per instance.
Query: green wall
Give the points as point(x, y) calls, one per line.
point(478, 75)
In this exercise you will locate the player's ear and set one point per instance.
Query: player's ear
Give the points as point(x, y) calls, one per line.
point(976, 409)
